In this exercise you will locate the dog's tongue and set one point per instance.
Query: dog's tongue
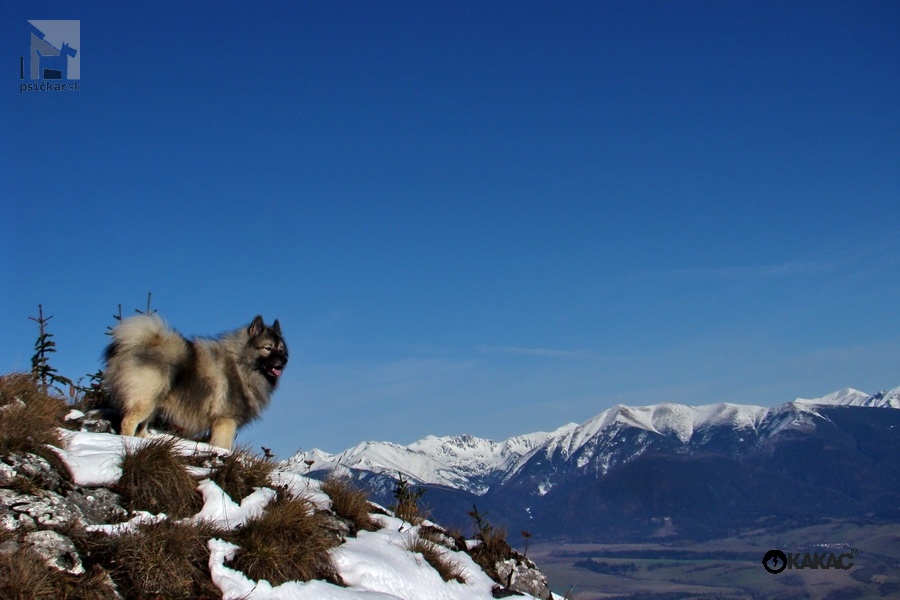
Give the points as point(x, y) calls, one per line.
point(276, 372)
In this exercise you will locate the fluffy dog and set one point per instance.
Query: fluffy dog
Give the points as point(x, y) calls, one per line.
point(201, 384)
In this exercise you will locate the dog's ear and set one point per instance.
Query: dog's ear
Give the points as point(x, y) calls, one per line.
point(276, 327)
point(256, 327)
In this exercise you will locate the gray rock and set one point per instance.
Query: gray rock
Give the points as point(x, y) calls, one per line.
point(522, 575)
point(7, 474)
point(98, 505)
point(57, 550)
point(337, 527)
point(95, 425)
point(33, 468)
point(96, 421)
point(45, 509)
point(13, 521)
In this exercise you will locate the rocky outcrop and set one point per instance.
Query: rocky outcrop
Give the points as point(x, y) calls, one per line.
point(44, 514)
point(38, 504)
point(522, 575)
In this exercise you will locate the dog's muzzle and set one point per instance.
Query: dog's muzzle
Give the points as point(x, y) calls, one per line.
point(275, 367)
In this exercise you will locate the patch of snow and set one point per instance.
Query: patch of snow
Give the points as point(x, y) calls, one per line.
point(375, 565)
point(676, 419)
point(73, 415)
point(378, 561)
point(844, 397)
point(891, 398)
point(93, 458)
point(300, 485)
point(220, 509)
point(235, 585)
point(140, 517)
point(851, 397)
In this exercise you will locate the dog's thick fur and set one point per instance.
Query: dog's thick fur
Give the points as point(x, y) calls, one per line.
point(198, 385)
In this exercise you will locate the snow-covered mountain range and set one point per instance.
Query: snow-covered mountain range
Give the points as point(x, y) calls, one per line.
point(574, 465)
point(461, 462)
point(474, 464)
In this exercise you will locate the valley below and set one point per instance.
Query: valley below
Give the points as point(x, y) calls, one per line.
point(669, 501)
point(729, 568)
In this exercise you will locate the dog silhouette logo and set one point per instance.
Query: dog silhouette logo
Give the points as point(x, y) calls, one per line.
point(53, 51)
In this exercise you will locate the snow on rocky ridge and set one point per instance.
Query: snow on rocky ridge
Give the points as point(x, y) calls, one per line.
point(851, 397)
point(460, 462)
point(475, 464)
point(374, 565)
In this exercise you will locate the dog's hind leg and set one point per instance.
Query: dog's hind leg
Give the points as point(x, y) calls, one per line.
point(135, 423)
point(136, 419)
point(140, 400)
point(222, 433)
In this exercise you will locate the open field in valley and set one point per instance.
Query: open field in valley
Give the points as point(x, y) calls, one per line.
point(728, 568)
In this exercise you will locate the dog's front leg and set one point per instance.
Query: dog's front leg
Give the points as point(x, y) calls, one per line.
point(222, 434)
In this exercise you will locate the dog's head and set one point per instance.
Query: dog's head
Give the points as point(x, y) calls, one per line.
point(271, 350)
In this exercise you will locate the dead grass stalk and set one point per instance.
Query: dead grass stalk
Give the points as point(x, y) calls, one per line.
point(350, 503)
point(155, 479)
point(29, 417)
point(287, 542)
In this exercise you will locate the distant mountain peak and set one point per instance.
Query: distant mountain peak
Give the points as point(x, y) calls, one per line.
point(474, 464)
point(845, 397)
point(632, 467)
point(852, 397)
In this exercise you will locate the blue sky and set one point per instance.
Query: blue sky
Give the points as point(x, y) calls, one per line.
point(470, 217)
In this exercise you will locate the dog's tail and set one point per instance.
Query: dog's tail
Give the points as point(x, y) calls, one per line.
point(140, 330)
point(139, 366)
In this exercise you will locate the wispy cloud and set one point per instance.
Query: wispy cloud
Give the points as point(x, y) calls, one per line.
point(541, 352)
point(771, 271)
point(378, 380)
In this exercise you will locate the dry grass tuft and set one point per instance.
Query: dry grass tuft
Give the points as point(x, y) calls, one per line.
point(168, 559)
point(241, 472)
point(407, 505)
point(155, 479)
point(349, 502)
point(442, 537)
point(29, 417)
point(287, 542)
point(25, 576)
point(436, 536)
point(7, 534)
point(493, 549)
point(448, 569)
point(411, 512)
